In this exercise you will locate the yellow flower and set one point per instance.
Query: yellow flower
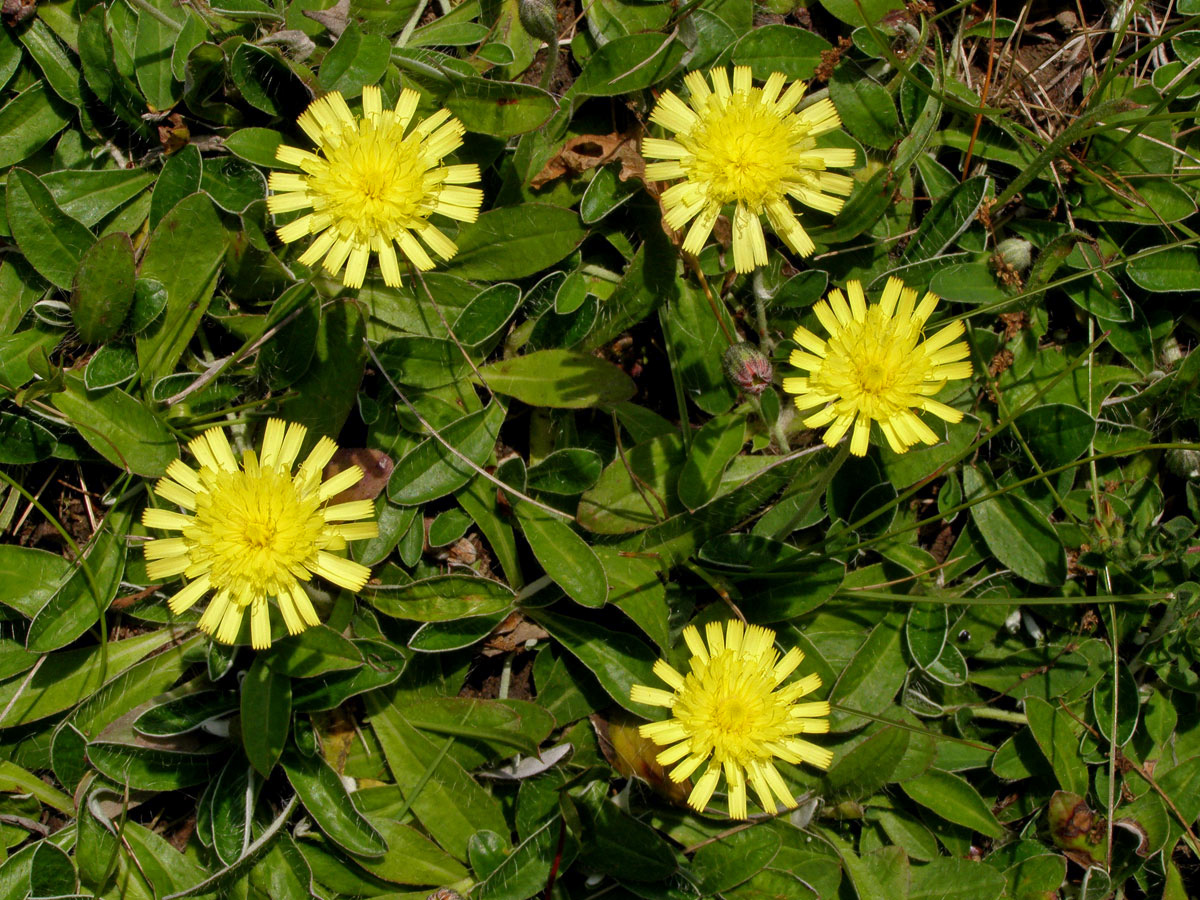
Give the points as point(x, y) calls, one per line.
point(727, 711)
point(369, 185)
point(256, 531)
point(748, 147)
point(874, 366)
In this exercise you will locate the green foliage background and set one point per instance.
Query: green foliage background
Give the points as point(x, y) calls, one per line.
point(1006, 623)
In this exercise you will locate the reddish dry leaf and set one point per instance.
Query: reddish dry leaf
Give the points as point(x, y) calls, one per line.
point(631, 754)
point(590, 150)
point(377, 468)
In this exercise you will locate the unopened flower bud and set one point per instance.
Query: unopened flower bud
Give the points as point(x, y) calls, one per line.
point(1017, 252)
point(1184, 463)
point(748, 368)
point(539, 20)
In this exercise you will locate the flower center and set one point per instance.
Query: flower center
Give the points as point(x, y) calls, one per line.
point(727, 707)
point(873, 365)
point(374, 182)
point(743, 151)
point(256, 530)
point(874, 377)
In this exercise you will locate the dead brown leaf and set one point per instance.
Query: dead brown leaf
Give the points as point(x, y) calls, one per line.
point(587, 151)
point(377, 468)
point(511, 635)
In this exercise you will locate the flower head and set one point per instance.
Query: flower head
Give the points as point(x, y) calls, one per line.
point(745, 146)
point(256, 531)
point(727, 711)
point(369, 185)
point(874, 366)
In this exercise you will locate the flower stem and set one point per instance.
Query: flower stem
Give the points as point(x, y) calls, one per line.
point(776, 427)
point(551, 65)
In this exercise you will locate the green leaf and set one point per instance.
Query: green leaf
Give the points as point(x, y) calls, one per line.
point(152, 56)
point(1052, 730)
point(384, 665)
point(713, 446)
point(605, 193)
point(565, 556)
point(726, 863)
point(629, 63)
point(313, 652)
point(184, 714)
point(568, 472)
point(1016, 532)
point(356, 60)
point(795, 589)
point(618, 844)
point(698, 343)
point(635, 491)
point(948, 219)
point(412, 858)
point(232, 797)
point(926, 631)
point(80, 602)
point(255, 145)
point(421, 361)
point(29, 577)
point(499, 108)
point(184, 254)
point(266, 714)
point(955, 879)
point(441, 598)
point(868, 766)
point(954, 800)
point(430, 471)
point(232, 184)
point(61, 73)
point(515, 241)
point(1128, 706)
point(500, 726)
point(28, 121)
point(618, 660)
point(1056, 433)
point(858, 12)
point(1170, 270)
point(866, 108)
point(111, 365)
point(51, 872)
point(52, 242)
point(559, 378)
point(23, 440)
point(118, 427)
point(482, 318)
point(323, 397)
point(449, 803)
point(634, 586)
point(873, 677)
point(523, 871)
point(151, 768)
point(102, 291)
point(325, 798)
point(780, 48)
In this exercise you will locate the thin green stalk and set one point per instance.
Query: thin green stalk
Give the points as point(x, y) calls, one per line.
point(816, 493)
point(685, 431)
point(994, 386)
point(1000, 492)
point(998, 715)
point(149, 10)
point(971, 448)
point(951, 600)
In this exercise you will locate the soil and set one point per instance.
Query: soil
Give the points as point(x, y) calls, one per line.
point(483, 681)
